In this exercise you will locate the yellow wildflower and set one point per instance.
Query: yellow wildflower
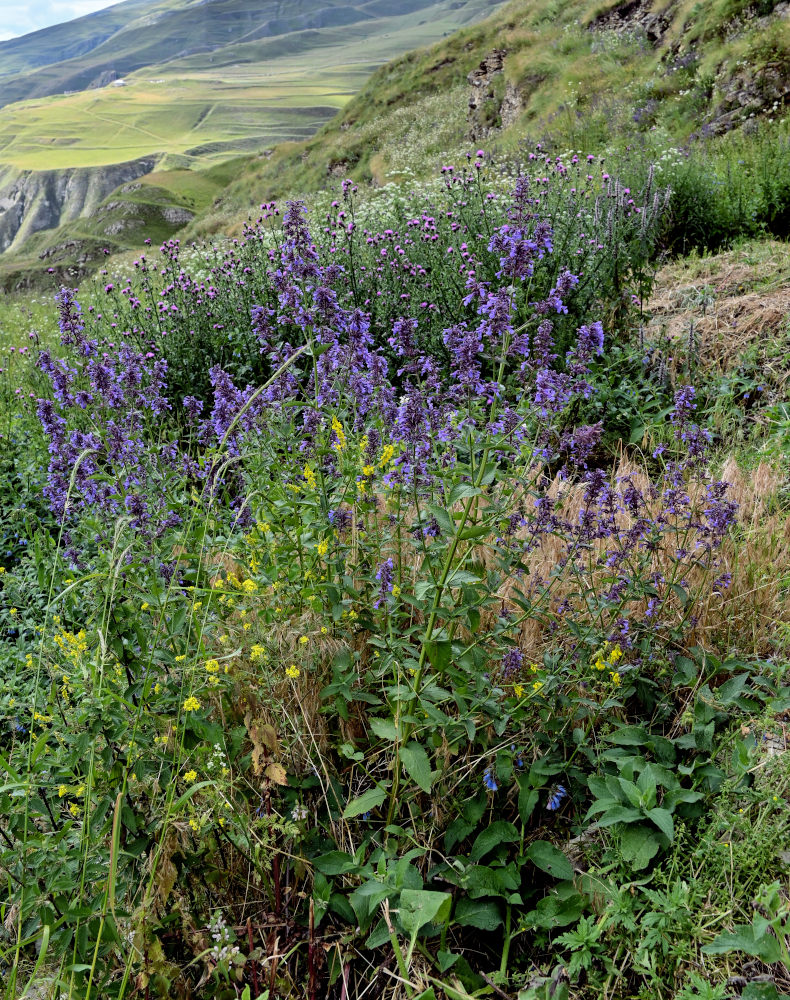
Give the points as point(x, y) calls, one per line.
point(309, 476)
point(323, 547)
point(74, 809)
point(292, 671)
point(246, 626)
point(368, 470)
point(257, 652)
point(324, 630)
point(340, 435)
point(249, 586)
point(62, 790)
point(181, 657)
point(212, 666)
point(191, 704)
point(518, 690)
point(145, 606)
point(303, 640)
point(386, 456)
point(190, 776)
point(537, 685)
point(615, 676)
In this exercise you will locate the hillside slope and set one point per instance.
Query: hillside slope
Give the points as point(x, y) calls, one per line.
point(576, 71)
point(192, 111)
point(95, 49)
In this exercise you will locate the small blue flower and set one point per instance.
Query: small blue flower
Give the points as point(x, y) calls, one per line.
point(558, 793)
point(488, 779)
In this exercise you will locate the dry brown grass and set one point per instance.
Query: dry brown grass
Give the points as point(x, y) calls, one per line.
point(748, 301)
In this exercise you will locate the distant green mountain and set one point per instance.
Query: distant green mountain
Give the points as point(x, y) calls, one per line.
point(92, 50)
point(92, 110)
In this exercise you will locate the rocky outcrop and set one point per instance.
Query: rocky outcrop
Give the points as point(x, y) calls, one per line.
point(494, 103)
point(635, 15)
point(33, 200)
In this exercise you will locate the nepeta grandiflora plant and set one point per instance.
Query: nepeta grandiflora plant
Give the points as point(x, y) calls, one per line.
point(400, 501)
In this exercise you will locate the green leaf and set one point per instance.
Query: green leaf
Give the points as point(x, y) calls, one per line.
point(418, 907)
point(742, 938)
point(550, 860)
point(440, 654)
point(416, 765)
point(527, 799)
point(663, 820)
point(500, 832)
point(371, 799)
point(335, 863)
point(483, 914)
point(462, 577)
point(620, 814)
point(474, 531)
point(638, 845)
point(460, 492)
point(628, 736)
point(385, 729)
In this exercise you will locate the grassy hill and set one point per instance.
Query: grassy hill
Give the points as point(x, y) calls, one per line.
point(578, 73)
point(209, 79)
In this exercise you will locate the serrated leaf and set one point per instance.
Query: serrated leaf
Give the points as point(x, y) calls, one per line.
point(385, 729)
point(276, 773)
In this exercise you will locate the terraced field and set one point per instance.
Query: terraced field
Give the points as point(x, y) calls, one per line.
point(240, 98)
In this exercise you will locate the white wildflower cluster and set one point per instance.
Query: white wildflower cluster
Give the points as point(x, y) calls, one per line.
point(222, 950)
point(217, 762)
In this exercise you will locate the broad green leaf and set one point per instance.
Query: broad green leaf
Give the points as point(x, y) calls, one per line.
point(371, 799)
point(620, 814)
point(418, 907)
point(527, 799)
point(550, 860)
point(742, 938)
point(335, 863)
point(385, 729)
point(628, 736)
point(663, 820)
point(416, 765)
point(638, 845)
point(483, 914)
point(500, 832)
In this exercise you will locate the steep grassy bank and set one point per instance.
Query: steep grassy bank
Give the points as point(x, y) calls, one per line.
point(576, 75)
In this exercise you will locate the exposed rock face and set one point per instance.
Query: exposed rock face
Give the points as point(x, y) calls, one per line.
point(493, 103)
point(32, 200)
point(635, 15)
point(745, 94)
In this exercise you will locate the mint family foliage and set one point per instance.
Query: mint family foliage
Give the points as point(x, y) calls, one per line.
point(337, 626)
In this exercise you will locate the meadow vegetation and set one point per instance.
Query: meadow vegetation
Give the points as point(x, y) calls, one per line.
point(394, 598)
